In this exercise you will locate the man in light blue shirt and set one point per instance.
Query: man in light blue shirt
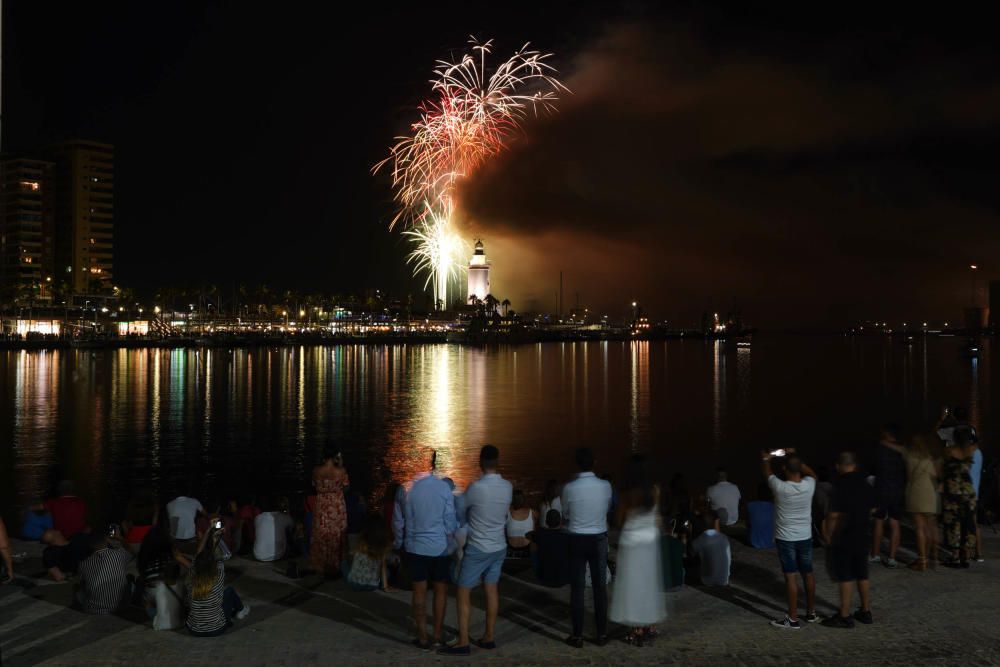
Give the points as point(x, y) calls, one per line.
point(586, 502)
point(487, 502)
point(428, 520)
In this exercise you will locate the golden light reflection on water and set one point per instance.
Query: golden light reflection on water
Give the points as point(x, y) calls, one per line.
point(121, 420)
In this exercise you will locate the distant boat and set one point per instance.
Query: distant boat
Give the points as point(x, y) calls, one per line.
point(972, 350)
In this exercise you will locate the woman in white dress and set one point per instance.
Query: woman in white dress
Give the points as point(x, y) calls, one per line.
point(637, 598)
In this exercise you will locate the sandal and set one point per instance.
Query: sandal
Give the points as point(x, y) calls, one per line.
point(919, 565)
point(422, 645)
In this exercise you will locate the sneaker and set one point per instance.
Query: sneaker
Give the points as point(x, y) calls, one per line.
point(811, 617)
point(243, 613)
point(891, 563)
point(838, 621)
point(862, 616)
point(874, 559)
point(787, 624)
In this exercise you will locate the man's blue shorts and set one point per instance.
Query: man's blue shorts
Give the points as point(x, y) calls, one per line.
point(480, 566)
point(795, 556)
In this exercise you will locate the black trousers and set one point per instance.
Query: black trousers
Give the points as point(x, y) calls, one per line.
point(592, 550)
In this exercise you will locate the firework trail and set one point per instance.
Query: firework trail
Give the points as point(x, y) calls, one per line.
point(469, 119)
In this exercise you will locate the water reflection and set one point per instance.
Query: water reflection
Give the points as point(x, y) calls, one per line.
point(121, 421)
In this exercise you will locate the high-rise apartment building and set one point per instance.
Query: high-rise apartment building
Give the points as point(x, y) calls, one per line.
point(84, 214)
point(26, 228)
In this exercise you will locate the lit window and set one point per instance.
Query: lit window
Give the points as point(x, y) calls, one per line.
point(30, 185)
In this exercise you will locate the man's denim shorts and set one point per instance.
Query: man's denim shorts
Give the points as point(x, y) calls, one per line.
point(480, 566)
point(795, 556)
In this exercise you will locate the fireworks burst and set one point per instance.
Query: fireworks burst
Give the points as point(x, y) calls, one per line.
point(438, 252)
point(469, 119)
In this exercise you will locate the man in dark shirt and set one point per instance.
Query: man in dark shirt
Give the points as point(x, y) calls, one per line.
point(846, 530)
point(890, 485)
point(550, 552)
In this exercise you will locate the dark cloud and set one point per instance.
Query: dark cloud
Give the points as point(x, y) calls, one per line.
point(812, 176)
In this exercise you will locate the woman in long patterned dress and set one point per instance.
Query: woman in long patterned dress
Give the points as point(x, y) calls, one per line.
point(330, 519)
point(959, 502)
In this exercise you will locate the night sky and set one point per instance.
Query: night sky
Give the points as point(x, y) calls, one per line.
point(815, 168)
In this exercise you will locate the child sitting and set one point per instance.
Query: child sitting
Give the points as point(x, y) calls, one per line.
point(366, 570)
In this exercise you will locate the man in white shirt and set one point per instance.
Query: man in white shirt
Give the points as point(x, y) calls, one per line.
point(183, 512)
point(724, 498)
point(586, 502)
point(714, 553)
point(271, 535)
point(793, 532)
point(486, 504)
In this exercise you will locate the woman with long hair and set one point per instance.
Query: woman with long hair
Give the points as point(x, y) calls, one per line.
point(368, 568)
point(923, 470)
point(521, 520)
point(329, 522)
point(213, 605)
point(637, 600)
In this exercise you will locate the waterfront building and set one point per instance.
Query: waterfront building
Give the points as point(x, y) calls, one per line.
point(84, 214)
point(26, 229)
point(479, 274)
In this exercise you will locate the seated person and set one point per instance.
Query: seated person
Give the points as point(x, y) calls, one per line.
point(713, 551)
point(159, 572)
point(184, 511)
point(724, 498)
point(550, 552)
point(139, 517)
point(230, 525)
point(271, 531)
point(69, 512)
point(104, 583)
point(520, 521)
point(367, 569)
point(248, 511)
point(37, 520)
point(62, 556)
point(760, 519)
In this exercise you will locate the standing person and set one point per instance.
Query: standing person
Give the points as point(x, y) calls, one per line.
point(7, 575)
point(890, 492)
point(846, 530)
point(724, 498)
point(958, 502)
point(976, 473)
point(638, 601)
point(922, 474)
point(793, 533)
point(329, 522)
point(69, 511)
point(586, 502)
point(428, 520)
point(487, 501)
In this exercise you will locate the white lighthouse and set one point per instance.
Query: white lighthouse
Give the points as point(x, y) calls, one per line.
point(479, 274)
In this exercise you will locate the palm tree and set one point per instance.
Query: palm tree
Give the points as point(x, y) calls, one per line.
point(490, 303)
point(506, 304)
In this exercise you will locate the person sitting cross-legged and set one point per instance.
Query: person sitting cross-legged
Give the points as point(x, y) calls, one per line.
point(104, 582)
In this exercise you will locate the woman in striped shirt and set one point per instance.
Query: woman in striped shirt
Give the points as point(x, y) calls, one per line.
point(213, 605)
